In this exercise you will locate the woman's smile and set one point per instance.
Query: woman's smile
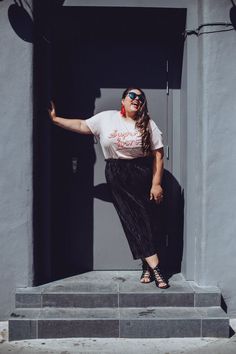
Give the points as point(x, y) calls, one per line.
point(135, 105)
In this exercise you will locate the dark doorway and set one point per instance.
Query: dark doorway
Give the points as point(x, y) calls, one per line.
point(87, 49)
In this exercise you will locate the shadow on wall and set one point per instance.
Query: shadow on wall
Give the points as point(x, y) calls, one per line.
point(21, 18)
point(78, 58)
point(171, 250)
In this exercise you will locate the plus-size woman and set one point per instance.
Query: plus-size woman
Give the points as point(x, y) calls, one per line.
point(133, 150)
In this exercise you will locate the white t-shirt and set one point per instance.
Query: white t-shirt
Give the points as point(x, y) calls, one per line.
point(118, 136)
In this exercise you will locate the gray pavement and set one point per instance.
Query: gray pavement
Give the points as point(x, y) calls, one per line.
point(119, 345)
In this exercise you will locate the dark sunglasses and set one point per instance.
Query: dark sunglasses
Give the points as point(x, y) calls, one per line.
point(133, 95)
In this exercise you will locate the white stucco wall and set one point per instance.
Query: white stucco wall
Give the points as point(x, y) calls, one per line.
point(15, 162)
point(215, 259)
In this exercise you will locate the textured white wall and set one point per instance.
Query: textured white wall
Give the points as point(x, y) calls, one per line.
point(15, 162)
point(216, 261)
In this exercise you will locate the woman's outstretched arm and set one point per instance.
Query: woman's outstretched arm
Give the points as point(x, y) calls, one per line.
point(76, 125)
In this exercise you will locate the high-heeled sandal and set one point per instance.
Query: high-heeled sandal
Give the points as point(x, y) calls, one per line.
point(146, 276)
point(159, 278)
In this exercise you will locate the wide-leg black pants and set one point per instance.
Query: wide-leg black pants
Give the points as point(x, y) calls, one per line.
point(130, 182)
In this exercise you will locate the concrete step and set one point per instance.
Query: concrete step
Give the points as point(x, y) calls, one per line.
point(115, 304)
point(151, 322)
point(116, 289)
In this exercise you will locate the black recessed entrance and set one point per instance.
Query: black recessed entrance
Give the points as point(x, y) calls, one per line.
point(90, 48)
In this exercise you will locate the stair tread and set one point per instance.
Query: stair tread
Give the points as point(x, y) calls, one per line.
point(141, 313)
point(115, 282)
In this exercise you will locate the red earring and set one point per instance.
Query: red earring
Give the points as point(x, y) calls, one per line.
point(122, 111)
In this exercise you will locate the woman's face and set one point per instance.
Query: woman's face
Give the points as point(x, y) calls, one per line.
point(133, 101)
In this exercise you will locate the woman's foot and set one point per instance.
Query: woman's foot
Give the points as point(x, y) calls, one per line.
point(160, 280)
point(146, 275)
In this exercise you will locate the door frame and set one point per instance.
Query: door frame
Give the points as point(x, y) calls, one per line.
point(185, 123)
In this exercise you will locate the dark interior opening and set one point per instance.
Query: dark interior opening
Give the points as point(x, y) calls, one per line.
point(80, 51)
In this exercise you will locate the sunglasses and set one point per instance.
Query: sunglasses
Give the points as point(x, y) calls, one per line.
point(133, 95)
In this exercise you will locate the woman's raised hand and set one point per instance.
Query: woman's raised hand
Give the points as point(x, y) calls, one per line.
point(76, 125)
point(52, 112)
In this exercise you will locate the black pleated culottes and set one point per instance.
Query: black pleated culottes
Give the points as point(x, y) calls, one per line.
point(130, 182)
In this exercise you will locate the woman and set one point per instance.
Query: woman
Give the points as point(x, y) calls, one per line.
point(133, 151)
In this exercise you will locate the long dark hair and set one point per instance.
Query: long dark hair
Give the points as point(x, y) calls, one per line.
point(142, 121)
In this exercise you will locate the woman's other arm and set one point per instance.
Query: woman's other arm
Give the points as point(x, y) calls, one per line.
point(75, 125)
point(158, 167)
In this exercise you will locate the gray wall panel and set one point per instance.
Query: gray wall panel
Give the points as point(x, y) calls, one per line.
point(16, 164)
point(218, 107)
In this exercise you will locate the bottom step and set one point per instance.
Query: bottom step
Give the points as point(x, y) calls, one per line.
point(152, 322)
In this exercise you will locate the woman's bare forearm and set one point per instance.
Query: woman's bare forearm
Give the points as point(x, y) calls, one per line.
point(75, 125)
point(158, 167)
point(156, 191)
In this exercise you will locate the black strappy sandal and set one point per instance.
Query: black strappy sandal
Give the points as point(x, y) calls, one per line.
point(159, 278)
point(146, 274)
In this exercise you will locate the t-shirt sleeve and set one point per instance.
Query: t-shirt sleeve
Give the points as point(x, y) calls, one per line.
point(156, 136)
point(95, 123)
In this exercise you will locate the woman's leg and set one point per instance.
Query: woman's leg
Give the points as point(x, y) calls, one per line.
point(129, 182)
point(146, 275)
point(153, 262)
point(129, 190)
